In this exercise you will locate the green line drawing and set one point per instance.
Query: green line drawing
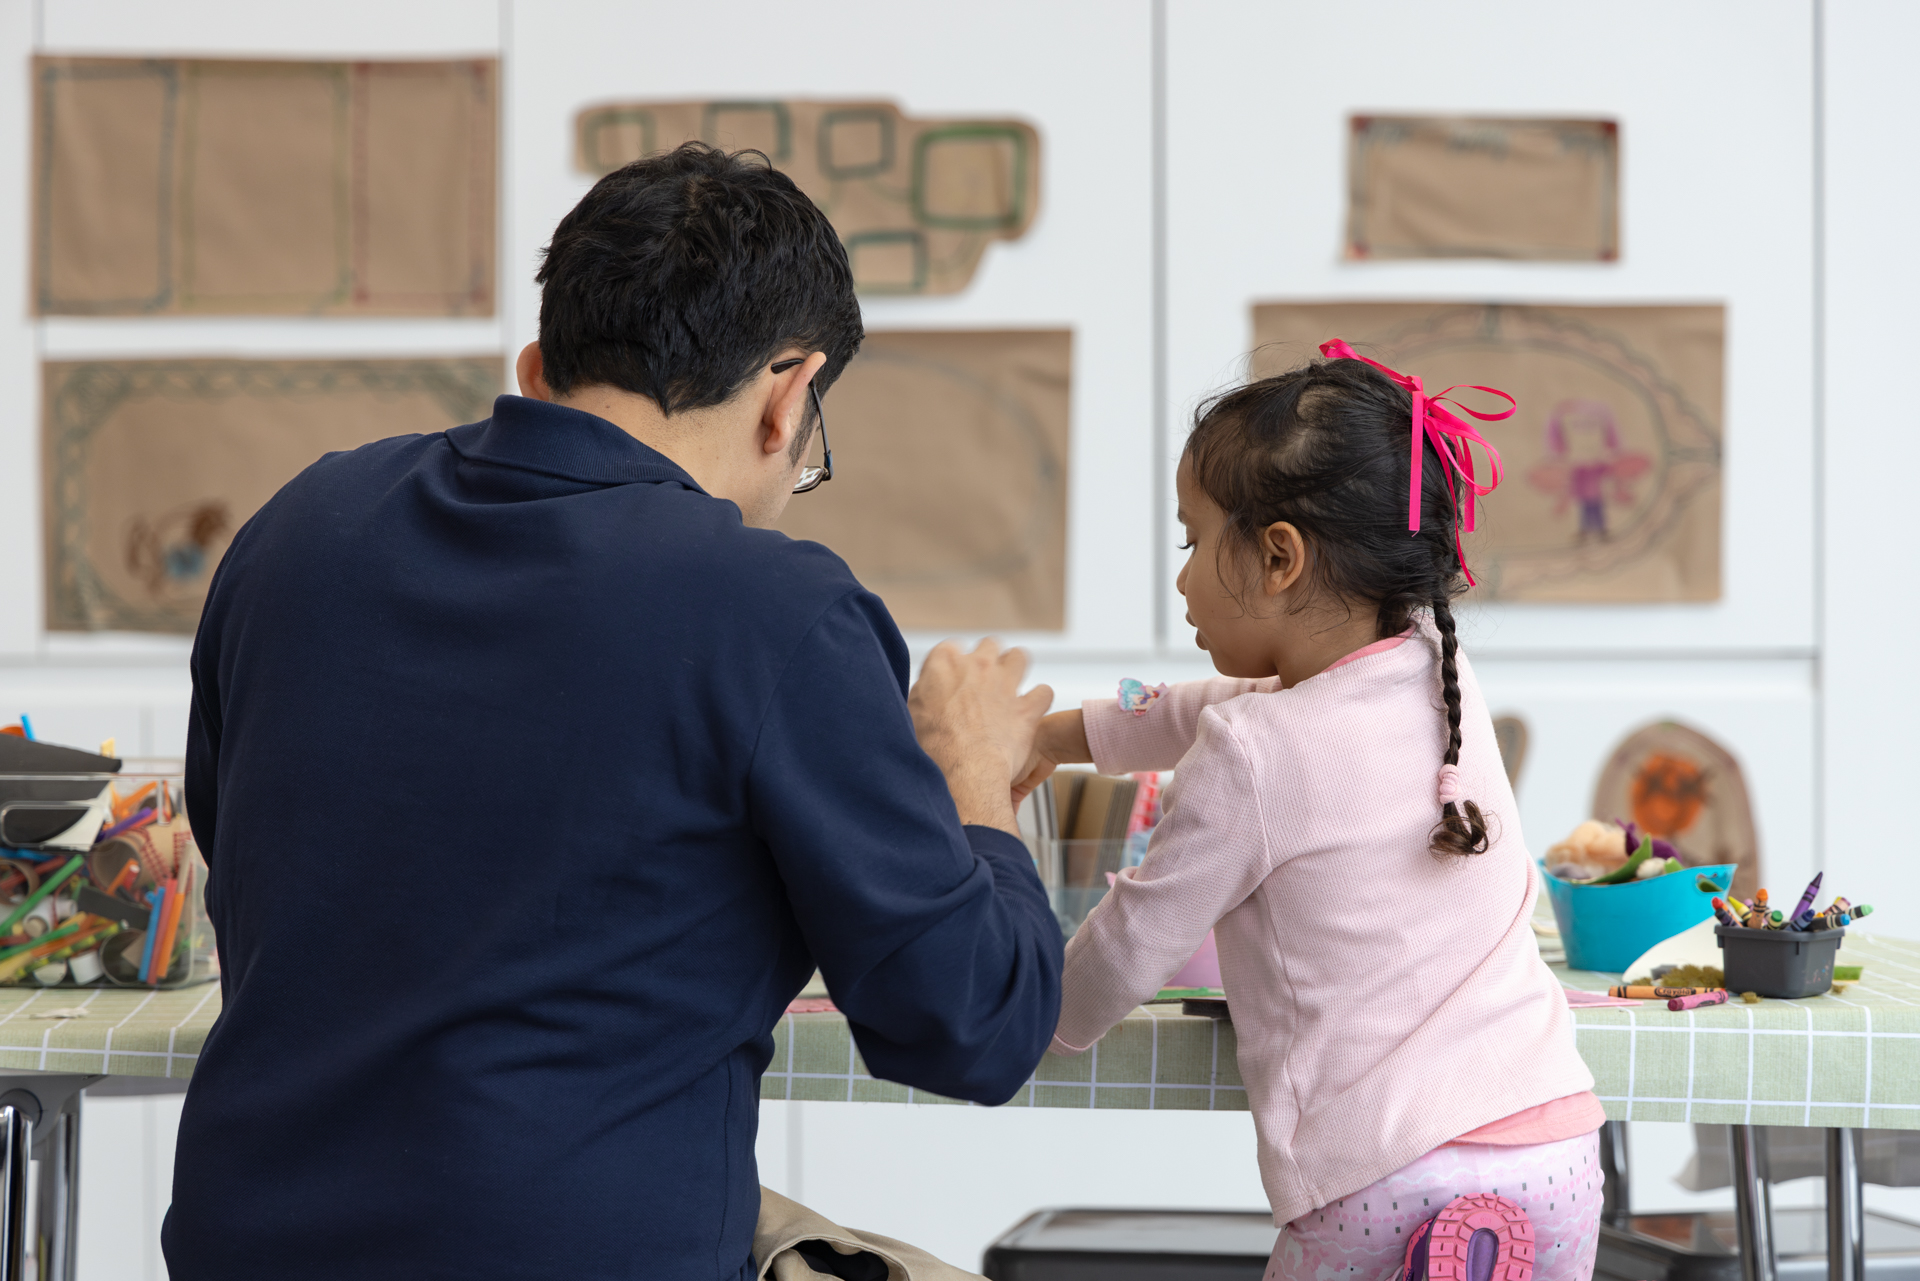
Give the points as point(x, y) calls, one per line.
point(1017, 205)
point(600, 121)
point(866, 239)
point(831, 168)
point(782, 124)
point(90, 393)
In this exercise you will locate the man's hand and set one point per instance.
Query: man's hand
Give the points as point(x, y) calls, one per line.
point(971, 719)
point(1061, 739)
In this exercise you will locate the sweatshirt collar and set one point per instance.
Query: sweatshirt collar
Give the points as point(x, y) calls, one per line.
point(538, 436)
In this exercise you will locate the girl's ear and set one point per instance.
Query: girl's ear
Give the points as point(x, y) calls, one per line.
point(1283, 557)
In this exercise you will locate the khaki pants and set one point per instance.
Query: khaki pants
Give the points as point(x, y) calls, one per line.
point(785, 1224)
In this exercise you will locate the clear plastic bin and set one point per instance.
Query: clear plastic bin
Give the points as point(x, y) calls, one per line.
point(1075, 874)
point(101, 883)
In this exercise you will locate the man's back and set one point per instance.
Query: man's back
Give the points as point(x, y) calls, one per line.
point(533, 785)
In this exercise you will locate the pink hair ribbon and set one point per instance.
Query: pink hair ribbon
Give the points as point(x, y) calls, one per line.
point(1452, 440)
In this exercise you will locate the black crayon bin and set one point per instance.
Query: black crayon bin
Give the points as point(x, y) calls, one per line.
point(1778, 963)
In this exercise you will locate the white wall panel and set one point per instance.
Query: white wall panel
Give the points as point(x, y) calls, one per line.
point(1077, 72)
point(1716, 123)
point(1871, 692)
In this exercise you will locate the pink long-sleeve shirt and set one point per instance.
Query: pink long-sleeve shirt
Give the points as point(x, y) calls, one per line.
point(1385, 1001)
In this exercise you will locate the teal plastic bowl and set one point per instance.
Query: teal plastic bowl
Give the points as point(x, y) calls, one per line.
point(1607, 927)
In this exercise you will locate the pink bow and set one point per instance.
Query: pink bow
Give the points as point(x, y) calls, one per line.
point(1452, 440)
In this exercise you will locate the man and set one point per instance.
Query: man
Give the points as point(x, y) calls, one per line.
point(536, 773)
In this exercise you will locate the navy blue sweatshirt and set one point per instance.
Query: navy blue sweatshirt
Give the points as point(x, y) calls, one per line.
point(533, 786)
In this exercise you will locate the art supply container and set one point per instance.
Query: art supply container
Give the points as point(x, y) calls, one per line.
point(100, 877)
point(1605, 927)
point(1778, 963)
point(1075, 874)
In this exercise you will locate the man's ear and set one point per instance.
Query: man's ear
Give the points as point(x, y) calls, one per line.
point(787, 404)
point(531, 372)
point(1283, 557)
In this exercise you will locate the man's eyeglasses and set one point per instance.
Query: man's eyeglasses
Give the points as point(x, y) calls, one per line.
point(812, 477)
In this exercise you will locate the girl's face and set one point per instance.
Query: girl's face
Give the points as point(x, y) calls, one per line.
point(1239, 643)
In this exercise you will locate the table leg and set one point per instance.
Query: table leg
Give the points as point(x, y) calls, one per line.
point(59, 1200)
point(1753, 1207)
point(1616, 1204)
point(1846, 1210)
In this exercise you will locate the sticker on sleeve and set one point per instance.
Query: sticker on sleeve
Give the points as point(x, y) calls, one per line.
point(1137, 698)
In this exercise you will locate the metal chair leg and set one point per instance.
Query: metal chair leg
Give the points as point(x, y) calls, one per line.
point(1846, 1208)
point(1616, 1205)
point(1753, 1203)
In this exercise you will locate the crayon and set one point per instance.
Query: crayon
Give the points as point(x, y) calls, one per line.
point(1806, 899)
point(1738, 908)
point(1776, 921)
point(1756, 919)
point(1714, 996)
point(1720, 910)
point(1641, 992)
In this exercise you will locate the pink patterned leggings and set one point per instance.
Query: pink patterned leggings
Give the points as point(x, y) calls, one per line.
point(1363, 1236)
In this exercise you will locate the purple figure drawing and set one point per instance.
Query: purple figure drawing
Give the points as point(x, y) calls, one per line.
point(1585, 466)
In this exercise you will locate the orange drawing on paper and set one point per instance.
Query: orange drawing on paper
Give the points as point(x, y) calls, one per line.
point(1669, 793)
point(177, 548)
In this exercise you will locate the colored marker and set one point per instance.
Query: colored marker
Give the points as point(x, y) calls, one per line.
point(125, 825)
point(155, 900)
point(47, 887)
point(1726, 917)
point(1715, 996)
point(176, 898)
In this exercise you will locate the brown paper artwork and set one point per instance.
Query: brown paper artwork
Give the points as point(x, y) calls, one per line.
point(1613, 461)
point(1675, 783)
point(1443, 187)
point(168, 185)
point(151, 466)
point(915, 201)
point(949, 490)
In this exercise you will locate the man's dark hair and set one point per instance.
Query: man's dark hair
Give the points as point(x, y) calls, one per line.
point(680, 276)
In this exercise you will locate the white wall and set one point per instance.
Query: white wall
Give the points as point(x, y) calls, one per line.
point(1724, 143)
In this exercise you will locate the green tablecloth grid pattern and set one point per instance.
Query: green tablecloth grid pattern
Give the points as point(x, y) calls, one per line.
point(124, 1032)
point(1156, 1058)
point(1847, 1058)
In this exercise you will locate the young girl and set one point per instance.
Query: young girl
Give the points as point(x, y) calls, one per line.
point(1341, 819)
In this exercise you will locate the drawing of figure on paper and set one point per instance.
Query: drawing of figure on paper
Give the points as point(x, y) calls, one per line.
point(1585, 465)
point(177, 549)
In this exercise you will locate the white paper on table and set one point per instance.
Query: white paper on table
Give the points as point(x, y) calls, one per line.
point(1694, 946)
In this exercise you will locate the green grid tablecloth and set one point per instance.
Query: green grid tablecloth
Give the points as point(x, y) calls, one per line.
point(1850, 1058)
point(124, 1031)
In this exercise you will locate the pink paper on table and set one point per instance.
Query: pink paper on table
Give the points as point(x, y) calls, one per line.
point(1587, 1000)
point(1202, 969)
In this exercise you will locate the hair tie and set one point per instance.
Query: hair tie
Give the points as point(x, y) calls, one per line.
point(1452, 440)
point(1449, 784)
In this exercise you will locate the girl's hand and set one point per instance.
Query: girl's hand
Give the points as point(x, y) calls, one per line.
point(1061, 739)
